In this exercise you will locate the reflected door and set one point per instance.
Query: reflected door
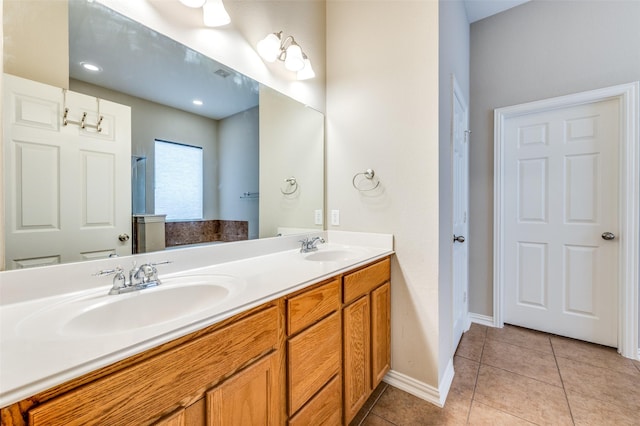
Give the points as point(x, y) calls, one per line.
point(561, 211)
point(67, 188)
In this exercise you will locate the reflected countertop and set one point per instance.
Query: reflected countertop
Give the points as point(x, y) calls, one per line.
point(33, 359)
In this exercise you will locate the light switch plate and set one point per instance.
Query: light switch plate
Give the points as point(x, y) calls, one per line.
point(335, 217)
point(318, 217)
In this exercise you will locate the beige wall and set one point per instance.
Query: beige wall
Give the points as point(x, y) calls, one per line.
point(37, 55)
point(291, 145)
point(539, 50)
point(382, 113)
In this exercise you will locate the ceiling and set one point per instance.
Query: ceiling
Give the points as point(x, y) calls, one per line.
point(480, 9)
point(138, 61)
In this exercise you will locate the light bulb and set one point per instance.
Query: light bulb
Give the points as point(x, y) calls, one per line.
point(307, 72)
point(294, 60)
point(214, 14)
point(269, 47)
point(193, 3)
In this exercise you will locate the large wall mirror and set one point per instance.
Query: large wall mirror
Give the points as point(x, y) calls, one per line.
point(261, 152)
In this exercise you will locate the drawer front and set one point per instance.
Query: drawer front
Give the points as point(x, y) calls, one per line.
point(324, 409)
point(142, 392)
point(311, 306)
point(314, 357)
point(363, 281)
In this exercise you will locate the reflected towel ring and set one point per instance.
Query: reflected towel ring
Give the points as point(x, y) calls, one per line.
point(292, 186)
point(369, 175)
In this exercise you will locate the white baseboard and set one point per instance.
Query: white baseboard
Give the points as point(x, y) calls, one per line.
point(436, 396)
point(481, 319)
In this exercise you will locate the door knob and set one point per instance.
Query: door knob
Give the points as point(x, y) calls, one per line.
point(608, 235)
point(123, 237)
point(458, 239)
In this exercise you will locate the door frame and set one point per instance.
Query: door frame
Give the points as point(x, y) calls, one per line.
point(627, 96)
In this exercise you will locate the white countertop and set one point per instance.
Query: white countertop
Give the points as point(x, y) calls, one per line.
point(35, 357)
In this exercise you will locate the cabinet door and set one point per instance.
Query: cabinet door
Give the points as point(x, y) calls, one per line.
point(380, 333)
point(357, 370)
point(248, 398)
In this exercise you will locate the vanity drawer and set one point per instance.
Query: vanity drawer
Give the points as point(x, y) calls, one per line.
point(366, 279)
point(314, 357)
point(151, 388)
point(324, 409)
point(311, 306)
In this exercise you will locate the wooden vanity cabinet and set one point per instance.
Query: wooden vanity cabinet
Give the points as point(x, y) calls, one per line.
point(309, 358)
point(314, 355)
point(367, 333)
point(207, 380)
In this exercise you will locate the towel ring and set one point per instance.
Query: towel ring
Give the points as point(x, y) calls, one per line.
point(292, 186)
point(369, 175)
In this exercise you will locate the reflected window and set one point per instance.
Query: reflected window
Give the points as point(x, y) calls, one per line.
point(178, 180)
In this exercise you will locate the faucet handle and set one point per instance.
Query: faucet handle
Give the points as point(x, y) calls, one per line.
point(105, 272)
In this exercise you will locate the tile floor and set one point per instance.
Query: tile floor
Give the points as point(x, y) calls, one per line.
point(516, 376)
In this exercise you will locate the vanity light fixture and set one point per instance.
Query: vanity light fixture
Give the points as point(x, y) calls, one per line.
point(274, 47)
point(213, 12)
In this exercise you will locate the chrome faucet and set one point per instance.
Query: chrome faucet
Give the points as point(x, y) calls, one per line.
point(140, 277)
point(310, 244)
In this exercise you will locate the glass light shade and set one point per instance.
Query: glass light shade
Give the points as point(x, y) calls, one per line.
point(214, 14)
point(307, 72)
point(269, 47)
point(294, 60)
point(193, 3)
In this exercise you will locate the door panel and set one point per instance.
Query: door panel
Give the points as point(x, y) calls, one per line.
point(67, 188)
point(561, 276)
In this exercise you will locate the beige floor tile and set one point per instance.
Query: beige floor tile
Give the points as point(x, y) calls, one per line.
point(375, 395)
point(522, 396)
point(521, 337)
point(600, 356)
point(483, 415)
point(590, 411)
point(517, 359)
point(401, 408)
point(373, 420)
point(604, 384)
point(477, 330)
point(466, 374)
point(471, 345)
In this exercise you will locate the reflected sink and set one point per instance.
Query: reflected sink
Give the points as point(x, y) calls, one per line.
point(177, 297)
point(334, 255)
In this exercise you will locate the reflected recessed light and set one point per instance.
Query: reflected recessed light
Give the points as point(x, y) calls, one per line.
point(90, 67)
point(197, 102)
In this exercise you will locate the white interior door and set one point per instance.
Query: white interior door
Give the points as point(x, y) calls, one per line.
point(460, 171)
point(67, 189)
point(560, 202)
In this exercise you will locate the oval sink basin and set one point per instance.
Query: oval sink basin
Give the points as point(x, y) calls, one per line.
point(177, 297)
point(336, 255)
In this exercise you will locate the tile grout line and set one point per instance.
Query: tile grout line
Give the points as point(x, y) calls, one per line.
point(373, 405)
point(475, 384)
point(566, 397)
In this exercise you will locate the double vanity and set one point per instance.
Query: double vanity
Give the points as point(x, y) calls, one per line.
point(257, 333)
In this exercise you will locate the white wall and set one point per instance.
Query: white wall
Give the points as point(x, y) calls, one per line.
point(382, 113)
point(238, 156)
point(453, 60)
point(535, 51)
